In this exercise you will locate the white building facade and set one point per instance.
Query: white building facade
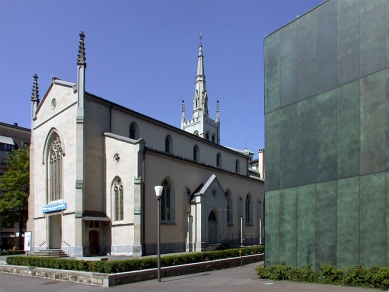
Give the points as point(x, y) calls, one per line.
point(94, 165)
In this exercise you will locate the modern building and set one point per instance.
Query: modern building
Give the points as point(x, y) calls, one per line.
point(94, 165)
point(12, 137)
point(327, 121)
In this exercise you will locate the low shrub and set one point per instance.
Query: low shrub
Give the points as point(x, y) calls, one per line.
point(129, 265)
point(375, 277)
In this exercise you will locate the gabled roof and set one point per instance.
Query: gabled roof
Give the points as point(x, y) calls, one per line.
point(204, 187)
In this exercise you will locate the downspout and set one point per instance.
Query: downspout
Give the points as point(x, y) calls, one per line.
point(143, 203)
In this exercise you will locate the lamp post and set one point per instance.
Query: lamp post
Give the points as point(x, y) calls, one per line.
point(158, 193)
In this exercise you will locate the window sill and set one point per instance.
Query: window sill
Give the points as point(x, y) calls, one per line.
point(249, 224)
point(230, 224)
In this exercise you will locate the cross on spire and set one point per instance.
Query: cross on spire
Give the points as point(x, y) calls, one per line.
point(201, 37)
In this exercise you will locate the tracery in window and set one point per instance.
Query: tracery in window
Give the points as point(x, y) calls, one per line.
point(118, 197)
point(55, 169)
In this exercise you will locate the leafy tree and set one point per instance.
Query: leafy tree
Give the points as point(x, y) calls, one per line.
point(15, 183)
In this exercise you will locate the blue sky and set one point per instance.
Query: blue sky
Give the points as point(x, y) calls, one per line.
point(143, 55)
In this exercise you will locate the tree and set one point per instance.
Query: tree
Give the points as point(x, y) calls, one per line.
point(15, 183)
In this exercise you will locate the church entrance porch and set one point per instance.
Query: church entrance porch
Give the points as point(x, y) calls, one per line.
point(55, 231)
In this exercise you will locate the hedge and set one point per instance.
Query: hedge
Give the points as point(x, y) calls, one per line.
point(128, 265)
point(358, 276)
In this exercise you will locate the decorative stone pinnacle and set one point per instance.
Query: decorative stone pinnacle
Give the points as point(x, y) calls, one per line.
point(81, 50)
point(35, 91)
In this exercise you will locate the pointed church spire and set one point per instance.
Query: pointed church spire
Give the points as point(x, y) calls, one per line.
point(200, 102)
point(217, 112)
point(35, 97)
point(81, 66)
point(35, 90)
point(183, 112)
point(81, 60)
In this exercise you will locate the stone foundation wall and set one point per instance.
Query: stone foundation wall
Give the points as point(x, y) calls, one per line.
point(109, 280)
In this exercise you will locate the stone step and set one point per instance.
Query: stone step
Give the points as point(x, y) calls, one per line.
point(50, 253)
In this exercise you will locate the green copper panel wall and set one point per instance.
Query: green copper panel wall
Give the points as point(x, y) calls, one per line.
point(272, 144)
point(326, 46)
point(306, 55)
point(348, 130)
point(326, 223)
point(288, 225)
point(372, 219)
point(387, 118)
point(372, 36)
point(272, 227)
point(373, 112)
point(348, 222)
point(387, 29)
point(347, 41)
point(326, 136)
point(288, 148)
point(307, 141)
point(288, 65)
point(306, 233)
point(272, 72)
point(387, 219)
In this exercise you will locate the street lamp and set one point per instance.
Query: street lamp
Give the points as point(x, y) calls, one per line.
point(158, 193)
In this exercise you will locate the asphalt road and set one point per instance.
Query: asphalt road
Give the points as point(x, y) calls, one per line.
point(234, 279)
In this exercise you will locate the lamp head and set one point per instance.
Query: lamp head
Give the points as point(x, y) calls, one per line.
point(158, 191)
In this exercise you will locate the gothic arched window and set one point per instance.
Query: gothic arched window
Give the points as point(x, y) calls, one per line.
point(166, 201)
point(118, 198)
point(207, 136)
point(168, 144)
point(218, 160)
point(237, 166)
point(55, 169)
point(213, 138)
point(249, 210)
point(196, 153)
point(134, 133)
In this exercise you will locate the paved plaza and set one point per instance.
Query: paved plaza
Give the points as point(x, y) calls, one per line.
point(234, 279)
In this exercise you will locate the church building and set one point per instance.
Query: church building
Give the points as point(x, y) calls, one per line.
point(94, 166)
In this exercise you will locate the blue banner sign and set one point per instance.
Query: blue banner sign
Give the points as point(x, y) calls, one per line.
point(54, 207)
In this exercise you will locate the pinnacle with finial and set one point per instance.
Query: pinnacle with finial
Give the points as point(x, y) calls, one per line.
point(81, 51)
point(35, 91)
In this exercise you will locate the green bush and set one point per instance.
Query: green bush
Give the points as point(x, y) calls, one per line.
point(110, 267)
point(375, 277)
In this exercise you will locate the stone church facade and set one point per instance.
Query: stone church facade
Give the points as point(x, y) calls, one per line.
point(94, 165)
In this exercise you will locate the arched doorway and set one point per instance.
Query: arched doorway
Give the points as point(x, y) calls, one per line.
point(212, 228)
point(94, 242)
